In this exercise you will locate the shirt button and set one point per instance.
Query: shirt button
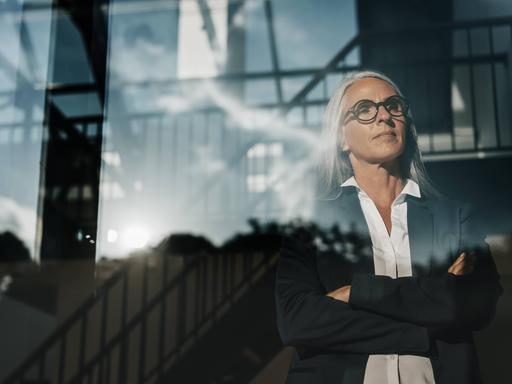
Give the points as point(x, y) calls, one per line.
point(392, 357)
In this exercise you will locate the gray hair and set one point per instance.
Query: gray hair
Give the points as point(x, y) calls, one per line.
point(335, 166)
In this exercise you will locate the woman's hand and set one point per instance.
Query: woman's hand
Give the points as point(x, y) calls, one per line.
point(464, 264)
point(342, 293)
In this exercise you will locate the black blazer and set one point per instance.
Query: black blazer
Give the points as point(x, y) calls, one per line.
point(432, 313)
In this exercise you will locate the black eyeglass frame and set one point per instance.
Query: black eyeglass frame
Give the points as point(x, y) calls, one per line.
point(351, 110)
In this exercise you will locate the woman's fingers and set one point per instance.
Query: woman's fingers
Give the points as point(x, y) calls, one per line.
point(457, 268)
point(464, 264)
point(458, 260)
point(460, 268)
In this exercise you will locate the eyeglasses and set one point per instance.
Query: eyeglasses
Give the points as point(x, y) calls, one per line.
point(365, 111)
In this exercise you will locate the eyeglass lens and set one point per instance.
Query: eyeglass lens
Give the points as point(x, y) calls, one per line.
point(366, 110)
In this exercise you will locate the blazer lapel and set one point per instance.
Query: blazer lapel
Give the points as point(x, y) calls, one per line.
point(350, 218)
point(421, 235)
point(353, 221)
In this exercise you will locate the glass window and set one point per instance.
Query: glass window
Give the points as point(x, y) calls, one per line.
point(193, 137)
point(24, 57)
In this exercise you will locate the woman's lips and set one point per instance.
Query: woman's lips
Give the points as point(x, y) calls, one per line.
point(385, 134)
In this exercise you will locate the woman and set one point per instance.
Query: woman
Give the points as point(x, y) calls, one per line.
point(401, 309)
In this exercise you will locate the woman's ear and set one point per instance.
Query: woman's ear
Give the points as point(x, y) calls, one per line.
point(343, 147)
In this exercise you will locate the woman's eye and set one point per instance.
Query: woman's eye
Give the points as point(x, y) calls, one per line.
point(394, 106)
point(364, 108)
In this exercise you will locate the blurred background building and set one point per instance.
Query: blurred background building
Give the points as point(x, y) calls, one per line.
point(151, 152)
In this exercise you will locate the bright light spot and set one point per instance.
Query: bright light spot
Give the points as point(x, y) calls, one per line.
point(112, 236)
point(135, 237)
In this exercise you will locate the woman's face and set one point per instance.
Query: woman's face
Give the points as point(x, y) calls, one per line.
point(379, 141)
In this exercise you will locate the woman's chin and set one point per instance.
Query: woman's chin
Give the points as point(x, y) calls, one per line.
point(386, 154)
point(384, 157)
point(380, 156)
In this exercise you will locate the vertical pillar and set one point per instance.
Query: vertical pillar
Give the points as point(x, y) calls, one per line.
point(71, 155)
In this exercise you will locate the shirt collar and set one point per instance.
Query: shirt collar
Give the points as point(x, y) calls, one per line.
point(411, 188)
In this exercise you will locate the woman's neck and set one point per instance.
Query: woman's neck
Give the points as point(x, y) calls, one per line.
point(381, 182)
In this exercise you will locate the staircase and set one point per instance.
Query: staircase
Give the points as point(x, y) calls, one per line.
point(238, 345)
point(142, 323)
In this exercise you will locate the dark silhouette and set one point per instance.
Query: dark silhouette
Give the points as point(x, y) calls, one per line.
point(12, 249)
point(185, 244)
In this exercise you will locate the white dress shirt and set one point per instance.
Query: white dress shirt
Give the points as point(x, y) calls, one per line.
point(392, 257)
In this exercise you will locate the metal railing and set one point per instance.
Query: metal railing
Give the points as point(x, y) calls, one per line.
point(121, 345)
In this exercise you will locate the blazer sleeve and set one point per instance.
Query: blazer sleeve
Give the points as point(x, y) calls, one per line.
point(309, 319)
point(447, 300)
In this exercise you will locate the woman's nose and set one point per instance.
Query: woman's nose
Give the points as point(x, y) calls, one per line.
point(383, 114)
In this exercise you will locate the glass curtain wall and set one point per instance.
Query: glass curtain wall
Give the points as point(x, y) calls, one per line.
point(194, 140)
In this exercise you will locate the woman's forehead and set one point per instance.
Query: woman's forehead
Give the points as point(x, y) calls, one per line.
point(369, 88)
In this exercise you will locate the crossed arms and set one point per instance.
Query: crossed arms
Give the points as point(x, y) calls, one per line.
point(384, 315)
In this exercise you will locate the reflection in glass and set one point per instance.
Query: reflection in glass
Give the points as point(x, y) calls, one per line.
point(24, 56)
point(194, 140)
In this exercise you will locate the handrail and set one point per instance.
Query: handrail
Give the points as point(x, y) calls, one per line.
point(59, 335)
point(264, 264)
point(76, 315)
point(154, 302)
